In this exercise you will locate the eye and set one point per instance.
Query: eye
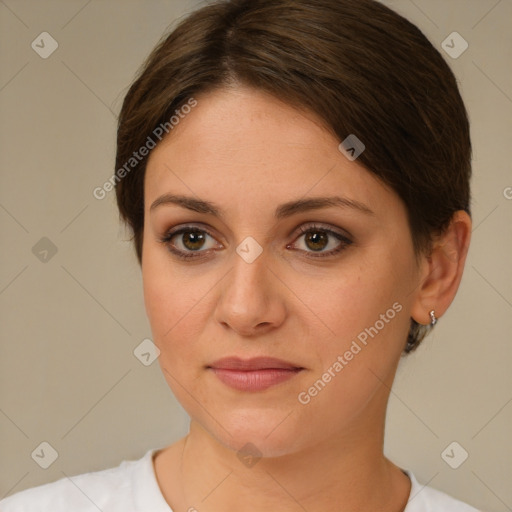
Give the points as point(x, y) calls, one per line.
point(191, 242)
point(318, 238)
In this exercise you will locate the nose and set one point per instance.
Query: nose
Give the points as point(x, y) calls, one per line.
point(251, 301)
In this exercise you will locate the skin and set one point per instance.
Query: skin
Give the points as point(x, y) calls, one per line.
point(248, 153)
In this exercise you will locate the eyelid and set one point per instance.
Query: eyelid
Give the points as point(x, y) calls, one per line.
point(344, 238)
point(198, 226)
point(343, 233)
point(178, 230)
point(304, 227)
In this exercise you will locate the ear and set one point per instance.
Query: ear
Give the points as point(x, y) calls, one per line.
point(441, 271)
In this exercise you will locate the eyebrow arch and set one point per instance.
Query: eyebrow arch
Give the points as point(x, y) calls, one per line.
point(283, 211)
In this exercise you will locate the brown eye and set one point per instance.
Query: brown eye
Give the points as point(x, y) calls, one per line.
point(187, 242)
point(193, 240)
point(318, 238)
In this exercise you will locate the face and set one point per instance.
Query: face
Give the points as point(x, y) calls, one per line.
point(250, 267)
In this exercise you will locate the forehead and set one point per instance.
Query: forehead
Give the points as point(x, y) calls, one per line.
point(254, 149)
point(233, 121)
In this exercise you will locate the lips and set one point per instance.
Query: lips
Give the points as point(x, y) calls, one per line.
point(256, 363)
point(256, 374)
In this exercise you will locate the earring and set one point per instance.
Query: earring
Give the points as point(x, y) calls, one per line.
point(433, 319)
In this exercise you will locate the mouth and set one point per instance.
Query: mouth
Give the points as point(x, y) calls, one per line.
point(256, 374)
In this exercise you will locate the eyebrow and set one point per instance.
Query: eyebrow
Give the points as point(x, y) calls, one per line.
point(283, 211)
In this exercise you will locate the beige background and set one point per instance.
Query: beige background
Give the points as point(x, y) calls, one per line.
point(69, 326)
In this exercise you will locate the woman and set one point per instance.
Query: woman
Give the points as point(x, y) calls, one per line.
point(296, 176)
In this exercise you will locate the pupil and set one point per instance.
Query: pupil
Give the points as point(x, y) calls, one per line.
point(194, 240)
point(191, 238)
point(317, 238)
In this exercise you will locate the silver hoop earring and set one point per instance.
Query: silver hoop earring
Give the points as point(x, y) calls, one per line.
point(433, 319)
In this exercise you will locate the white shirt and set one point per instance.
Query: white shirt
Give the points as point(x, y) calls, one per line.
point(132, 487)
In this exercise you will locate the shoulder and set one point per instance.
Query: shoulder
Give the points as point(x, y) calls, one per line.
point(426, 499)
point(109, 489)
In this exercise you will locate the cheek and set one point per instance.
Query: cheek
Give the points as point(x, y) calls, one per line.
point(172, 320)
point(165, 298)
point(354, 296)
point(370, 323)
point(177, 308)
point(366, 310)
point(170, 309)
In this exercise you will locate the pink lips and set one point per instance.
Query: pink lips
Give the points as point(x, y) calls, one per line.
point(254, 374)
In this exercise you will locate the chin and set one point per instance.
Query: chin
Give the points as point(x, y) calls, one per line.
point(268, 433)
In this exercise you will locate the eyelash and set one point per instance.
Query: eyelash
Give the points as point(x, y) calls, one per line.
point(345, 242)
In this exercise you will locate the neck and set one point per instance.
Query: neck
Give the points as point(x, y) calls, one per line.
point(346, 472)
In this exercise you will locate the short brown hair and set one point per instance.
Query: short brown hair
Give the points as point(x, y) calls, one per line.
point(358, 65)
